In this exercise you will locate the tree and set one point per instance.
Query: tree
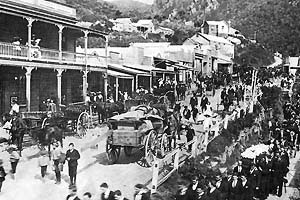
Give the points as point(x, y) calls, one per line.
point(274, 22)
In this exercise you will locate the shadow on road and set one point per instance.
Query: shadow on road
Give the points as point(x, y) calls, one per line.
point(295, 173)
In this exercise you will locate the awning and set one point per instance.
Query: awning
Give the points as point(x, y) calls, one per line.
point(221, 61)
point(182, 67)
point(147, 68)
point(119, 74)
point(127, 70)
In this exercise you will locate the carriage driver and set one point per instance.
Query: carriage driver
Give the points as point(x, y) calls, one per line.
point(14, 107)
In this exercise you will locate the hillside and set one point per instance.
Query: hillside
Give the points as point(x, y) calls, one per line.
point(127, 5)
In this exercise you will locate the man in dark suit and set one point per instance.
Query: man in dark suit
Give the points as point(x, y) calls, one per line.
point(235, 188)
point(254, 179)
point(239, 169)
point(222, 185)
point(72, 156)
point(106, 194)
point(186, 113)
point(213, 193)
point(264, 169)
point(194, 101)
point(246, 190)
point(192, 192)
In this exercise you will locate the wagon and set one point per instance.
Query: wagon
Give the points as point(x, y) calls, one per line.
point(137, 129)
point(77, 118)
point(74, 118)
point(33, 119)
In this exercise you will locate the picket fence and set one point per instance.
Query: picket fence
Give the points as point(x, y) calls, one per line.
point(165, 167)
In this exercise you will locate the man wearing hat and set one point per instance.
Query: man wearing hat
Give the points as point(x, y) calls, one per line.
point(73, 194)
point(235, 187)
point(186, 113)
point(72, 156)
point(222, 184)
point(18, 130)
point(106, 193)
point(15, 108)
point(192, 191)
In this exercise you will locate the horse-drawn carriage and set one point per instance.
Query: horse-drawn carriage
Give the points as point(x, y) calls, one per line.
point(142, 128)
point(74, 118)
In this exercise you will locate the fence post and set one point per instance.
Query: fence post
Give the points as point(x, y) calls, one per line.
point(155, 171)
point(238, 114)
point(176, 160)
point(251, 106)
point(194, 147)
point(226, 121)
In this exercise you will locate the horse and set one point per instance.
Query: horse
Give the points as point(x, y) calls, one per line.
point(47, 136)
point(17, 129)
point(106, 110)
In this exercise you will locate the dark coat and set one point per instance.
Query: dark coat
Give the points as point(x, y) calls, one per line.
point(194, 101)
point(215, 195)
point(246, 191)
point(204, 101)
point(111, 196)
point(70, 196)
point(74, 156)
point(242, 172)
point(235, 192)
point(224, 188)
point(2, 174)
point(192, 194)
point(187, 113)
point(254, 178)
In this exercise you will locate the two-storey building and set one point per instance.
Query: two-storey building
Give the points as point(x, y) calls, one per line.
point(38, 58)
point(212, 53)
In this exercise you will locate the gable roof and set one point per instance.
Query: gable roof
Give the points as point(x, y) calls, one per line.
point(211, 38)
point(121, 20)
point(144, 22)
point(216, 22)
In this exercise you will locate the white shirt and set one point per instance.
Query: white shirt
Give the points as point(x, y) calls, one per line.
point(106, 193)
point(239, 169)
point(194, 187)
point(207, 123)
point(15, 108)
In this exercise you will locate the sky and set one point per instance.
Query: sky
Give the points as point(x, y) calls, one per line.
point(144, 1)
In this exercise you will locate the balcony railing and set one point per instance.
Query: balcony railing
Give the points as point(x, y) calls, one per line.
point(13, 51)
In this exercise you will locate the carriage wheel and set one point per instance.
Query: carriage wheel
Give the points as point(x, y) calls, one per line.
point(150, 148)
point(128, 150)
point(44, 122)
point(83, 124)
point(140, 107)
point(112, 152)
point(164, 145)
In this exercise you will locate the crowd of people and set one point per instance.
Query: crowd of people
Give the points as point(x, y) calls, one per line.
point(254, 178)
point(231, 94)
point(250, 179)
